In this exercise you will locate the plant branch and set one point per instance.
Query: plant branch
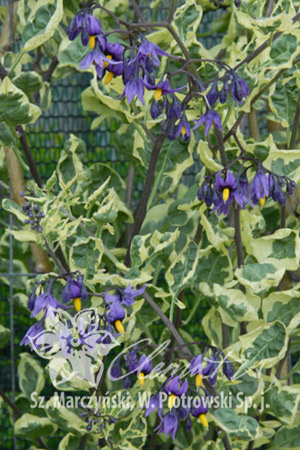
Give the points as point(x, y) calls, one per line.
point(295, 125)
point(141, 210)
point(172, 11)
point(263, 46)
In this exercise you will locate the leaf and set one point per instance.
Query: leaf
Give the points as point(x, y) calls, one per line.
point(284, 402)
point(237, 305)
point(180, 274)
point(85, 255)
point(259, 277)
point(214, 266)
point(64, 417)
point(43, 20)
point(31, 375)
point(287, 438)
point(281, 249)
point(15, 109)
point(28, 81)
point(216, 235)
point(30, 426)
point(212, 325)
point(241, 426)
point(4, 336)
point(264, 345)
point(6, 136)
point(284, 305)
point(186, 20)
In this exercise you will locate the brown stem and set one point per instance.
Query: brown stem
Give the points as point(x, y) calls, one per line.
point(221, 147)
point(11, 404)
point(83, 442)
point(32, 167)
point(143, 203)
point(295, 125)
point(238, 236)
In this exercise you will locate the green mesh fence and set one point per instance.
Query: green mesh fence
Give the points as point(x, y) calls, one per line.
point(46, 139)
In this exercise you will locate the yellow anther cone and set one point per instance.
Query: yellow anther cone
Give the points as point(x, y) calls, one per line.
point(226, 193)
point(203, 420)
point(92, 41)
point(141, 378)
point(171, 401)
point(262, 201)
point(105, 64)
point(183, 131)
point(157, 94)
point(119, 326)
point(77, 304)
point(198, 380)
point(108, 77)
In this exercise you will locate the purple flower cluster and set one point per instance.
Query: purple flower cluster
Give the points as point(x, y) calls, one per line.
point(74, 292)
point(227, 188)
point(95, 418)
point(32, 210)
point(107, 57)
point(178, 391)
point(138, 63)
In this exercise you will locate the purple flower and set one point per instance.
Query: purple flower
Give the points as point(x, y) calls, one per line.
point(208, 193)
point(156, 109)
point(213, 93)
point(169, 424)
point(145, 367)
point(196, 369)
point(125, 296)
point(161, 88)
point(98, 58)
point(114, 52)
point(33, 332)
point(200, 412)
point(175, 388)
point(131, 361)
point(228, 369)
point(241, 194)
point(114, 315)
point(275, 185)
point(239, 89)
point(224, 92)
point(210, 118)
point(153, 404)
point(147, 49)
point(32, 298)
point(46, 302)
point(259, 187)
point(183, 128)
point(226, 185)
point(86, 24)
point(173, 110)
point(74, 290)
point(134, 87)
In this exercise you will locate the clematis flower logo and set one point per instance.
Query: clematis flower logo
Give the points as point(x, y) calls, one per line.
point(75, 347)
